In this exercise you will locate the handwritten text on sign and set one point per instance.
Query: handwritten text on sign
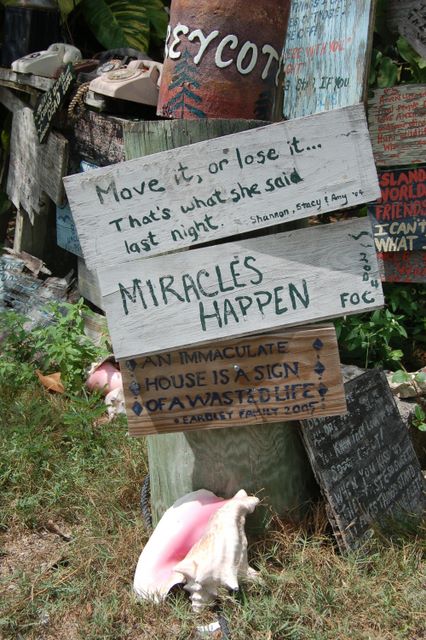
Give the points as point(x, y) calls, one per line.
point(397, 121)
point(325, 55)
point(50, 103)
point(223, 187)
point(403, 266)
point(399, 218)
point(240, 288)
point(268, 378)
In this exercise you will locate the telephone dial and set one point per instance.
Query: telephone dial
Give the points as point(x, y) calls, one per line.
point(46, 63)
point(138, 81)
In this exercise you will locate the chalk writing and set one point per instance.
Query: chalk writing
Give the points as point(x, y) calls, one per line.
point(241, 288)
point(222, 187)
point(50, 103)
point(399, 217)
point(267, 378)
point(364, 461)
point(397, 125)
point(324, 55)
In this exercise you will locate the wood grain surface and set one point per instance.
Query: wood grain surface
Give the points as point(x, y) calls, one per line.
point(408, 17)
point(262, 379)
point(397, 123)
point(326, 55)
point(239, 288)
point(222, 187)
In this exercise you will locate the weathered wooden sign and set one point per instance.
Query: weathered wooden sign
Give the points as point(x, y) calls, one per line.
point(35, 169)
point(399, 217)
point(239, 288)
point(402, 266)
point(51, 101)
point(261, 379)
point(397, 121)
point(222, 187)
point(408, 17)
point(364, 461)
point(66, 233)
point(326, 55)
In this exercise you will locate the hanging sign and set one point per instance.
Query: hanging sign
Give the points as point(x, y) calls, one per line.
point(222, 187)
point(257, 380)
point(399, 217)
point(50, 102)
point(397, 122)
point(326, 55)
point(238, 288)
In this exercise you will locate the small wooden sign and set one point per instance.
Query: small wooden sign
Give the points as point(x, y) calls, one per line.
point(258, 380)
point(66, 233)
point(50, 102)
point(403, 266)
point(326, 55)
point(399, 217)
point(397, 121)
point(408, 17)
point(223, 187)
point(364, 462)
point(238, 288)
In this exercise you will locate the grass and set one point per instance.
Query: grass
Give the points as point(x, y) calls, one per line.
point(62, 463)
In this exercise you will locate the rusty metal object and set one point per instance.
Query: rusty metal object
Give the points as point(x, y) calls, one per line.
point(222, 58)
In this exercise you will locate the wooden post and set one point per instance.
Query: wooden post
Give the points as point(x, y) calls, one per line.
point(267, 460)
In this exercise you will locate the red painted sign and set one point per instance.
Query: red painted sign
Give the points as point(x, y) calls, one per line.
point(403, 266)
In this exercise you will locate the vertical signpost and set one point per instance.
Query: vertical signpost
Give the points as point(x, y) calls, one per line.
point(326, 55)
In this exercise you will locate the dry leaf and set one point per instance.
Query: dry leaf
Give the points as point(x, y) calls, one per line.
point(52, 382)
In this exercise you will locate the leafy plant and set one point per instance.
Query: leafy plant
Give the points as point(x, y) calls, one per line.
point(419, 414)
point(126, 23)
point(60, 346)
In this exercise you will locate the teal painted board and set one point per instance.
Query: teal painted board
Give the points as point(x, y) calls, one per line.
point(66, 233)
point(326, 55)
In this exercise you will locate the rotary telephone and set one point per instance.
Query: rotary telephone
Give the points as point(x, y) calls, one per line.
point(46, 63)
point(138, 81)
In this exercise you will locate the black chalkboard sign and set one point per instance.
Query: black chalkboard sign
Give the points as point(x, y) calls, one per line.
point(364, 461)
point(50, 103)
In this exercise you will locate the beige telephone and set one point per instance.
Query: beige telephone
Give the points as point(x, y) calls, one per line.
point(139, 81)
point(45, 63)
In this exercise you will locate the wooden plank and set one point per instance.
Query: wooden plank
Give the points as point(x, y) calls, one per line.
point(365, 462)
point(269, 461)
point(35, 169)
point(98, 138)
point(25, 80)
point(263, 379)
point(88, 284)
point(239, 288)
point(399, 217)
point(408, 17)
point(403, 266)
point(10, 100)
point(326, 55)
point(152, 136)
point(222, 187)
point(397, 124)
point(66, 233)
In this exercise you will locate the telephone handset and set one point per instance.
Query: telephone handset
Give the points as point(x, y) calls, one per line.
point(137, 82)
point(46, 63)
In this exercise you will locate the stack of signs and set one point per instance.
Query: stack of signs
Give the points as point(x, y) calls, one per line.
point(326, 55)
point(398, 132)
point(169, 303)
point(364, 462)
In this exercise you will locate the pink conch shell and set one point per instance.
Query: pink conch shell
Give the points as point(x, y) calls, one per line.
point(199, 540)
point(105, 377)
point(179, 529)
point(219, 558)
